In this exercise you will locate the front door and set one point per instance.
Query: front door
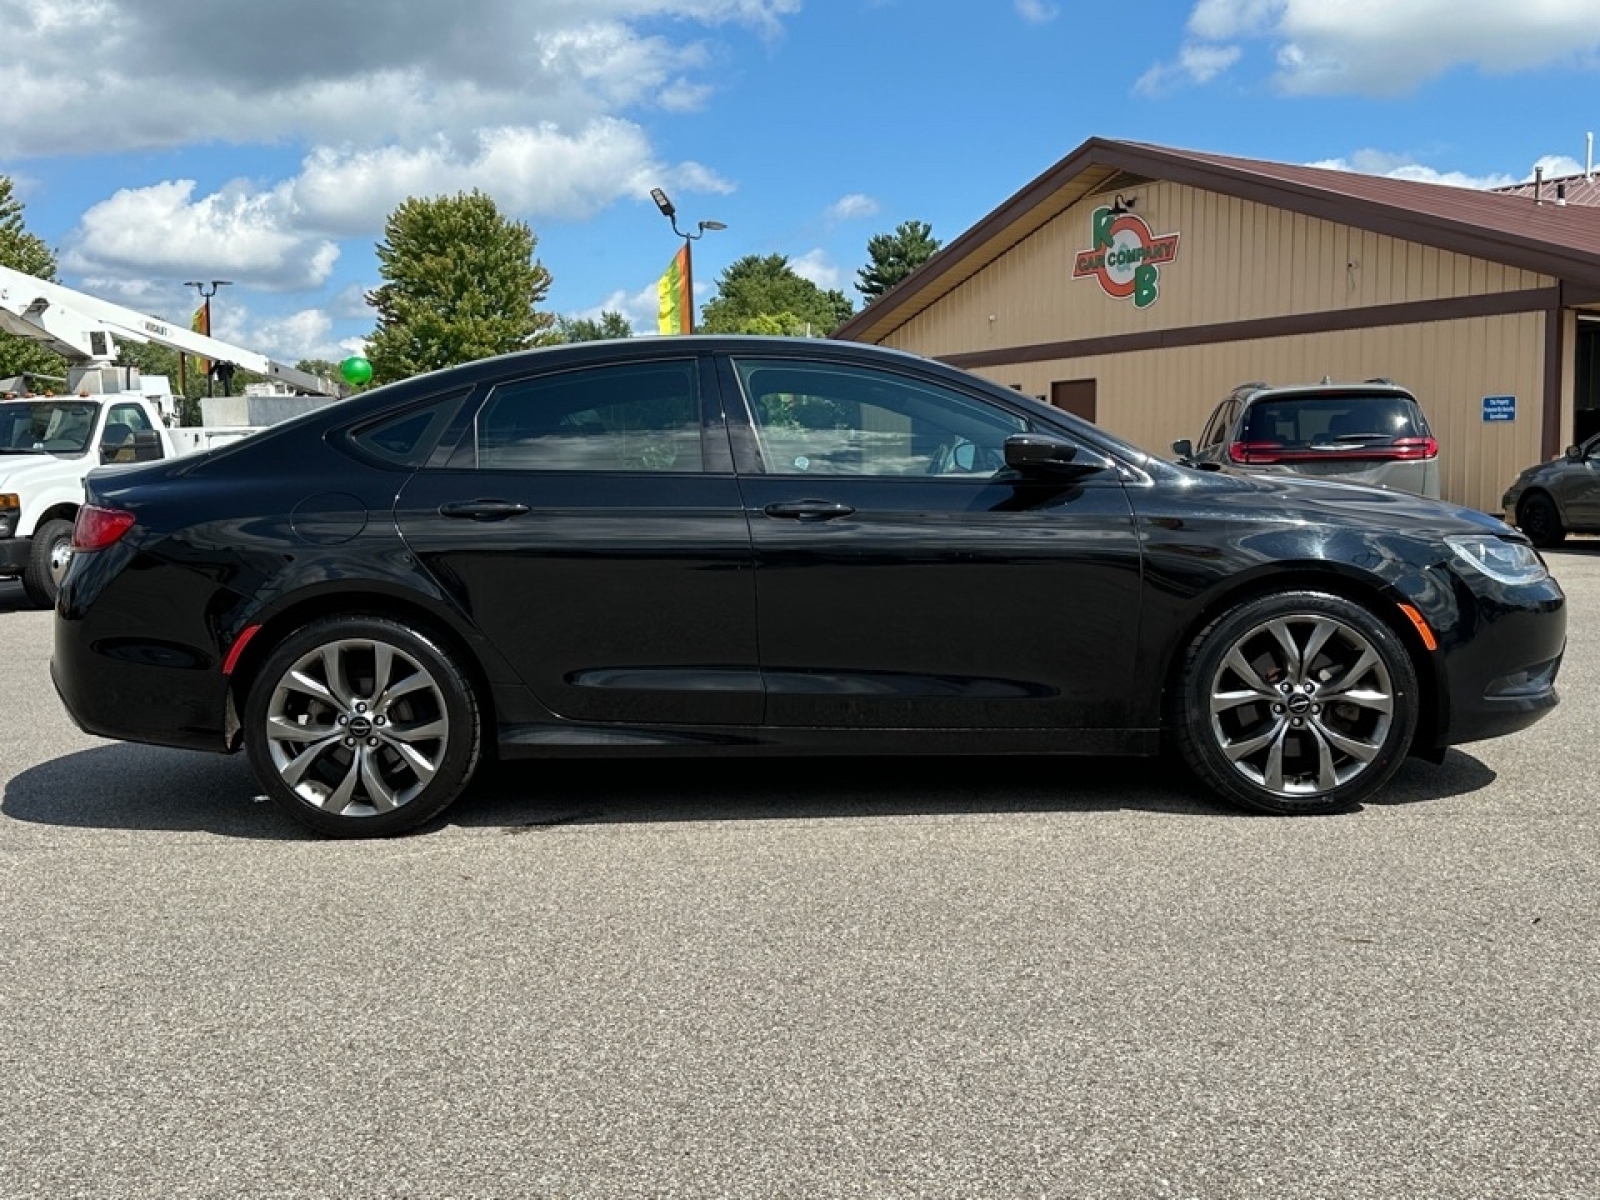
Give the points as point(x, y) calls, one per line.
point(905, 578)
point(590, 525)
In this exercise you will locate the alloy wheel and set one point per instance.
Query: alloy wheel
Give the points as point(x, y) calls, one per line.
point(1301, 704)
point(357, 727)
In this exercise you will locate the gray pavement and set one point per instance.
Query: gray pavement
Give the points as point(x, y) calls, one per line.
point(1011, 978)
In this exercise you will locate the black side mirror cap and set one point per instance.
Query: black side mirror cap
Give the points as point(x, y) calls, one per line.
point(1042, 453)
point(1574, 454)
point(1184, 449)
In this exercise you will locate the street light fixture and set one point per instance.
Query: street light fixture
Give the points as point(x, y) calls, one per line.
point(206, 292)
point(671, 214)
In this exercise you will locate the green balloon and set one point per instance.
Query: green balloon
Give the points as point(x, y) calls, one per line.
point(356, 370)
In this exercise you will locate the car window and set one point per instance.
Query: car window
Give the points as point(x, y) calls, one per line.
point(1304, 422)
point(831, 419)
point(1212, 433)
point(407, 439)
point(131, 415)
point(627, 417)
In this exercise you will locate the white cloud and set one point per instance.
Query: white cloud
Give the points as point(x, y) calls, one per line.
point(420, 102)
point(1386, 47)
point(279, 239)
point(1405, 166)
point(639, 308)
point(816, 266)
point(853, 207)
point(1399, 166)
point(1197, 63)
point(540, 171)
point(337, 71)
point(1555, 166)
point(163, 230)
point(1037, 12)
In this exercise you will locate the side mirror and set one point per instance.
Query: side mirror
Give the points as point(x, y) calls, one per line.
point(1033, 453)
point(146, 445)
point(1184, 449)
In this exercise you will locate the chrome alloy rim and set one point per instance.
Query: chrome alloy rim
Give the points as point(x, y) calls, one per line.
point(60, 559)
point(1301, 704)
point(357, 728)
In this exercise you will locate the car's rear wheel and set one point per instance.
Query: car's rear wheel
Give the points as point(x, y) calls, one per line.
point(48, 557)
point(361, 727)
point(1301, 702)
point(1540, 519)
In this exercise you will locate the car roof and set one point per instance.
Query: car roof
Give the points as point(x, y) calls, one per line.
point(1367, 387)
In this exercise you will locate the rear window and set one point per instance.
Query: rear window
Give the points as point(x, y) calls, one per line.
point(1333, 420)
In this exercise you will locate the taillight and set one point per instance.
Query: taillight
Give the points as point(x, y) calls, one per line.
point(96, 528)
point(1255, 452)
point(1401, 449)
point(1416, 447)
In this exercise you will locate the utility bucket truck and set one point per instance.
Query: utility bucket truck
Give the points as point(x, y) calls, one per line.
point(106, 414)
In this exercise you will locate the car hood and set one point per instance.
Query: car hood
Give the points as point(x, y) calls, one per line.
point(1543, 472)
point(1296, 498)
point(20, 471)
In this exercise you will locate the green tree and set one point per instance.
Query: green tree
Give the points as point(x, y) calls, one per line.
point(23, 251)
point(763, 294)
point(893, 256)
point(460, 283)
point(319, 366)
point(584, 329)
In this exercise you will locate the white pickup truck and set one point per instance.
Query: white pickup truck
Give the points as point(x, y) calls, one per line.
point(48, 445)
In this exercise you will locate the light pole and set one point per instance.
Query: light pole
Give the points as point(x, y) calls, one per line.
point(671, 214)
point(205, 296)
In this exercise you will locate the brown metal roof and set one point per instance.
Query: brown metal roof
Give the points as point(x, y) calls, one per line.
point(1558, 240)
point(1579, 189)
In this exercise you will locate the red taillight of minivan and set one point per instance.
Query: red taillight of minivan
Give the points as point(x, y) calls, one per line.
point(1411, 449)
point(96, 528)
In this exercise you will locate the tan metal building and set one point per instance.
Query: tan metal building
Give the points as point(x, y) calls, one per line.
point(1137, 285)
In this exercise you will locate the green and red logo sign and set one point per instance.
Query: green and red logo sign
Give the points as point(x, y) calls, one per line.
point(1127, 258)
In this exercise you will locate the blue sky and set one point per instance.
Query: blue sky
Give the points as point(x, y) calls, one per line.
point(265, 143)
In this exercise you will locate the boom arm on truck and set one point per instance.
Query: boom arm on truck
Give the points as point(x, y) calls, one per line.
point(85, 331)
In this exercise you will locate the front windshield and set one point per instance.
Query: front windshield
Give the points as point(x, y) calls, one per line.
point(47, 426)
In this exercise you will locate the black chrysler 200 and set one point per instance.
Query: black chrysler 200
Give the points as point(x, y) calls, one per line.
point(748, 546)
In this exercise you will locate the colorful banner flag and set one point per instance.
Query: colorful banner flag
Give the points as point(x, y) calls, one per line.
point(677, 305)
point(201, 323)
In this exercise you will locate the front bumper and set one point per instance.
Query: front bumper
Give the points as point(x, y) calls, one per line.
point(1499, 665)
point(14, 554)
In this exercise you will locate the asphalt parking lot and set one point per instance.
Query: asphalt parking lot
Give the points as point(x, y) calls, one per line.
point(1010, 978)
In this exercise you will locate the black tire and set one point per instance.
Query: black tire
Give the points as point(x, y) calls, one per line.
point(48, 556)
point(362, 727)
point(1540, 519)
point(1288, 730)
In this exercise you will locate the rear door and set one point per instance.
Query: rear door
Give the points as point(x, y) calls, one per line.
point(590, 524)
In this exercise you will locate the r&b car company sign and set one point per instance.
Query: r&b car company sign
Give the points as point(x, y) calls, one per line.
point(1126, 258)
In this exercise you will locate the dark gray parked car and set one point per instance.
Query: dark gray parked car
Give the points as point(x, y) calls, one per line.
point(1371, 432)
point(1555, 498)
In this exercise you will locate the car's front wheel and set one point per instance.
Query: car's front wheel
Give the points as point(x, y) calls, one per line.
point(1538, 517)
point(1300, 702)
point(361, 727)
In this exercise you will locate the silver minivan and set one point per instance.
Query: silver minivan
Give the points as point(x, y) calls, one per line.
point(1372, 432)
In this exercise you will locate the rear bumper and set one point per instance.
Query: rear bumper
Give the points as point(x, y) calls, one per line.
point(117, 681)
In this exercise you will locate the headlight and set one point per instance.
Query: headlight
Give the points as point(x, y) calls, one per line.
point(1507, 562)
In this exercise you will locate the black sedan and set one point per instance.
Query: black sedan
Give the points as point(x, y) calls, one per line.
point(741, 546)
